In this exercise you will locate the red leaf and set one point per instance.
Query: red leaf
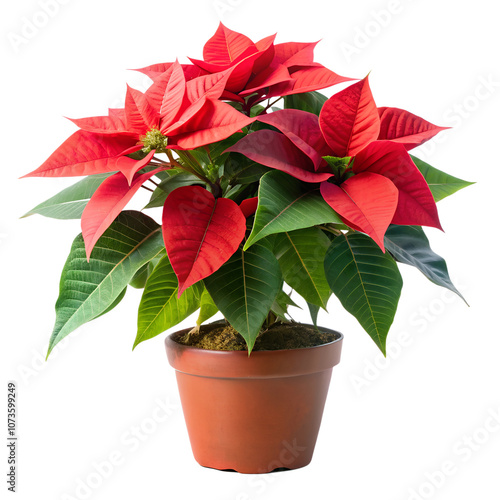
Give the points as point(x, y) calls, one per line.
point(266, 50)
point(295, 54)
point(207, 87)
point(314, 78)
point(416, 205)
point(277, 151)
point(366, 202)
point(106, 203)
point(173, 97)
point(266, 78)
point(399, 125)
point(200, 232)
point(156, 70)
point(249, 206)
point(349, 120)
point(84, 153)
point(113, 124)
point(302, 128)
point(229, 96)
point(226, 46)
point(156, 91)
point(198, 91)
point(215, 121)
point(128, 167)
point(141, 116)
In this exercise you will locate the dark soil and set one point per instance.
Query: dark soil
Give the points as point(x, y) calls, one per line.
point(224, 337)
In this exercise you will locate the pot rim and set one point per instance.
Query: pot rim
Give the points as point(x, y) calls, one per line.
point(259, 364)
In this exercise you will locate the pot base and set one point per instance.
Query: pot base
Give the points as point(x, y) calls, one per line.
point(253, 414)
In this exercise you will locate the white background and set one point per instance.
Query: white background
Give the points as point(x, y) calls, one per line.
point(388, 426)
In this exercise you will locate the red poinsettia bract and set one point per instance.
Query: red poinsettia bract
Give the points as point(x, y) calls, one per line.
point(263, 68)
point(358, 155)
point(172, 114)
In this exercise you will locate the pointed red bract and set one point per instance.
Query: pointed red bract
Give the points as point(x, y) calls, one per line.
point(113, 124)
point(349, 120)
point(156, 70)
point(266, 50)
point(295, 54)
point(267, 78)
point(225, 46)
point(366, 202)
point(214, 122)
point(173, 97)
point(249, 206)
point(399, 125)
point(128, 167)
point(200, 233)
point(197, 92)
point(302, 129)
point(314, 78)
point(84, 153)
point(416, 205)
point(277, 151)
point(106, 203)
point(207, 87)
point(141, 116)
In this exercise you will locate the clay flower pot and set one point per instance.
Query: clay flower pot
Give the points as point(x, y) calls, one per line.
point(253, 414)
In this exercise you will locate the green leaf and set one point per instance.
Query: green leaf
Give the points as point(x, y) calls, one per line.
point(70, 202)
point(168, 185)
point(245, 288)
point(366, 281)
point(141, 276)
point(313, 310)
point(440, 183)
point(338, 165)
point(287, 204)
point(114, 304)
point(217, 148)
point(207, 308)
point(240, 170)
point(409, 245)
point(87, 289)
point(160, 307)
point(308, 101)
point(280, 305)
point(301, 255)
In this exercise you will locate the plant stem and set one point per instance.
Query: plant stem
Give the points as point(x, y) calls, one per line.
point(269, 104)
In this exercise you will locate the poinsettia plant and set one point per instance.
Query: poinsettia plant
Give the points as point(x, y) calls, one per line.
point(263, 182)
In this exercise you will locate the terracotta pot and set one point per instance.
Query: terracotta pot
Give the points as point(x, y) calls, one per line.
point(253, 414)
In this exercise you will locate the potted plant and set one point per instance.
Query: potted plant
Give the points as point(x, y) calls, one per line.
point(266, 187)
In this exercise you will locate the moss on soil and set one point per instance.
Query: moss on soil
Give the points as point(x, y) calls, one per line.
point(224, 337)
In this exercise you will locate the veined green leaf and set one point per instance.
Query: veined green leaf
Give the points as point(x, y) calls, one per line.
point(301, 255)
point(207, 308)
point(244, 289)
point(114, 304)
point(307, 101)
point(87, 289)
point(281, 304)
point(240, 170)
point(287, 204)
point(70, 202)
point(366, 281)
point(440, 183)
point(160, 308)
point(409, 245)
point(313, 310)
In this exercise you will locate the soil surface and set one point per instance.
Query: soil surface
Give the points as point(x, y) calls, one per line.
point(224, 337)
